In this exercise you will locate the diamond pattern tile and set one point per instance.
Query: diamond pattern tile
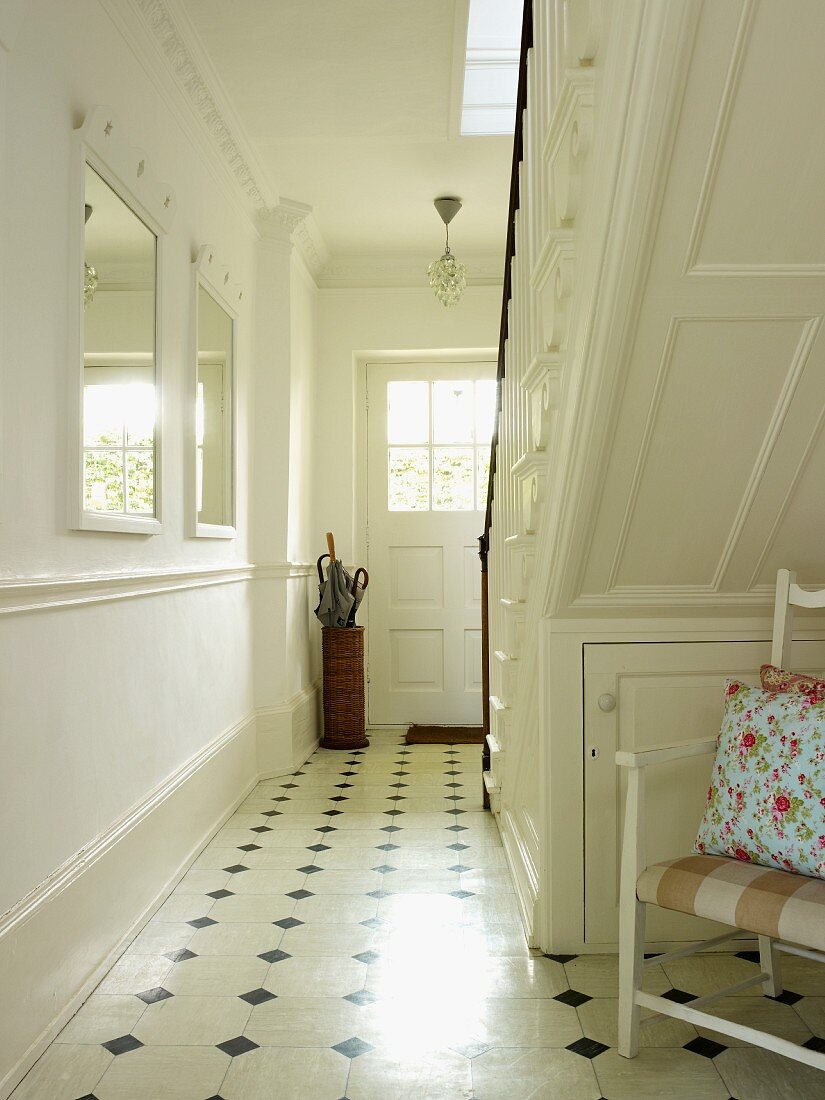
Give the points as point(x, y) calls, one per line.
point(587, 1048)
point(679, 996)
point(257, 996)
point(361, 997)
point(122, 1045)
point(367, 957)
point(325, 941)
point(706, 1047)
point(150, 996)
point(239, 1045)
point(787, 997)
point(374, 923)
point(180, 956)
point(275, 956)
point(353, 1048)
point(572, 997)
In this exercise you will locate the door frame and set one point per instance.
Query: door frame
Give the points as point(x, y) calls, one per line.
point(361, 361)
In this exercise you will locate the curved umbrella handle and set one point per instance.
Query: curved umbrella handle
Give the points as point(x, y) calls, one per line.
point(360, 573)
point(320, 571)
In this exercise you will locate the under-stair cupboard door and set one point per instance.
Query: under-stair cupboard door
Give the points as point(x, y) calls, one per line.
point(635, 696)
point(429, 428)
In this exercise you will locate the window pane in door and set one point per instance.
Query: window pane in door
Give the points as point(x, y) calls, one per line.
point(408, 470)
point(452, 412)
point(408, 412)
point(485, 410)
point(482, 476)
point(453, 488)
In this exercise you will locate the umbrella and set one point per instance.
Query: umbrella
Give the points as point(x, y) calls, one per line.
point(340, 594)
point(359, 587)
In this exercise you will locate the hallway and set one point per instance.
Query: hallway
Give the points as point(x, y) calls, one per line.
point(352, 932)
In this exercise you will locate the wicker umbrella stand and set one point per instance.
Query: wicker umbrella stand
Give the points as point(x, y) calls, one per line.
point(345, 720)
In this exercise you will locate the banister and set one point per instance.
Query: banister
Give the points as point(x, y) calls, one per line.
point(509, 252)
point(510, 247)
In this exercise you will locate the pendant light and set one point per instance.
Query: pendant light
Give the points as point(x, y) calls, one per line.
point(448, 277)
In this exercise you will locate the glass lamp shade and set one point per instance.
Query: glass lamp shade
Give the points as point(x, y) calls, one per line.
point(89, 284)
point(448, 278)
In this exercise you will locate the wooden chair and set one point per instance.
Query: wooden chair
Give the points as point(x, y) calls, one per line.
point(723, 882)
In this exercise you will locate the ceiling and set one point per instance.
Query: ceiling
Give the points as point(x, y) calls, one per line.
point(353, 108)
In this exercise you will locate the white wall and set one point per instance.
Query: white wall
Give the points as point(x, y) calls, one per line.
point(102, 700)
point(352, 324)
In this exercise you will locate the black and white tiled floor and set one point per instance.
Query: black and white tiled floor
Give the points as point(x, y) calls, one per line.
point(352, 932)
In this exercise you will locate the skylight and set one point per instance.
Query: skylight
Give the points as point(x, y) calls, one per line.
point(491, 67)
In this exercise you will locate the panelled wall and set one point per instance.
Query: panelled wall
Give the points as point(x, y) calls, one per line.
point(660, 437)
point(145, 682)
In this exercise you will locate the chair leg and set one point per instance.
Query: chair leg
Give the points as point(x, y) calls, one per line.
point(631, 960)
point(770, 963)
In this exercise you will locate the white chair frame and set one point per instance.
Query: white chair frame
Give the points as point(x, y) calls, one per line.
point(632, 999)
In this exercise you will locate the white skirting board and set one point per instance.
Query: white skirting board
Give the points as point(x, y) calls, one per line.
point(288, 734)
point(522, 870)
point(57, 943)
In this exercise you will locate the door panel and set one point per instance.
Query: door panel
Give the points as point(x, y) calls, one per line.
point(665, 693)
point(428, 444)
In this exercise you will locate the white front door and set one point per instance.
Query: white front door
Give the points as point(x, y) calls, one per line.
point(429, 429)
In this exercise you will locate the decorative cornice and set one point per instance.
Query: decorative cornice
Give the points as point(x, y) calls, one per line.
point(407, 270)
point(179, 44)
point(290, 213)
point(178, 54)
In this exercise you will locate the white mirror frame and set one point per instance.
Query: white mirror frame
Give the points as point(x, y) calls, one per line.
point(101, 144)
point(214, 277)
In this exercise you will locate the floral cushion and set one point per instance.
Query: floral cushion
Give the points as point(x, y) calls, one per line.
point(779, 679)
point(766, 801)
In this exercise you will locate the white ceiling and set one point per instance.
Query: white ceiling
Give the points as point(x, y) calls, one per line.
point(353, 108)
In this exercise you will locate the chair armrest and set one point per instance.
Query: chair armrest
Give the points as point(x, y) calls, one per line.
point(660, 754)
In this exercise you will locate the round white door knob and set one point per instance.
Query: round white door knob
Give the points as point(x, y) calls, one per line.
point(607, 702)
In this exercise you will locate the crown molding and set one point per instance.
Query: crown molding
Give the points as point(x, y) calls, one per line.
point(187, 59)
point(403, 270)
point(178, 42)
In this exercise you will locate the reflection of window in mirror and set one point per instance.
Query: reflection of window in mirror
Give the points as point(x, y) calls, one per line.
point(214, 487)
point(119, 402)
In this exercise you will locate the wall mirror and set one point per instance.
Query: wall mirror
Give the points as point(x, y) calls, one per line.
point(216, 303)
point(116, 396)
